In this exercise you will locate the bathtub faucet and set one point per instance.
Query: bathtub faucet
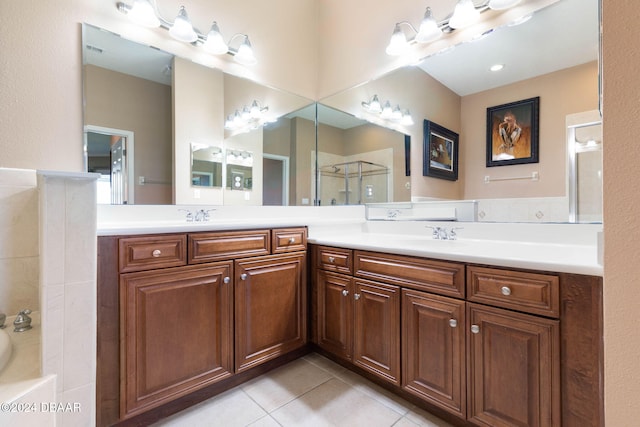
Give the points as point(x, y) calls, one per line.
point(23, 321)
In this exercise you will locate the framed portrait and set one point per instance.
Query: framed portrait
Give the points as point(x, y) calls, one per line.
point(512, 133)
point(440, 152)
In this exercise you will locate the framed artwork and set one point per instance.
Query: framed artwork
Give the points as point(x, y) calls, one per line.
point(512, 133)
point(440, 152)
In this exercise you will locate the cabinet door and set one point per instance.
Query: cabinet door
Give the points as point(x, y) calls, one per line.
point(514, 368)
point(433, 349)
point(176, 333)
point(335, 313)
point(270, 308)
point(376, 345)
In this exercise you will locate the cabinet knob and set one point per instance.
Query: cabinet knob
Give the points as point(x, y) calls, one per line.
point(356, 296)
point(243, 276)
point(332, 259)
point(345, 292)
point(292, 239)
point(453, 323)
point(226, 279)
point(475, 329)
point(505, 290)
point(156, 253)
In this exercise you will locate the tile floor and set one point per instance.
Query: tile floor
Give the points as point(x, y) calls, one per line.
point(311, 391)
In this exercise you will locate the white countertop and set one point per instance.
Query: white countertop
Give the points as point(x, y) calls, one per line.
point(563, 248)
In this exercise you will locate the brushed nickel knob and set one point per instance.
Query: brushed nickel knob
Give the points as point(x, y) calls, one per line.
point(475, 329)
point(345, 292)
point(453, 323)
point(156, 253)
point(356, 296)
point(292, 239)
point(505, 290)
point(332, 259)
point(226, 279)
point(243, 276)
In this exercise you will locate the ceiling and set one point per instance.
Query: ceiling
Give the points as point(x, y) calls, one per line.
point(569, 28)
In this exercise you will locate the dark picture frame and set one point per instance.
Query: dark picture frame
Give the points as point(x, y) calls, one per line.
point(440, 152)
point(512, 133)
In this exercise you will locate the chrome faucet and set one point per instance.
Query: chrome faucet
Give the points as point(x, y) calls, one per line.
point(393, 213)
point(202, 215)
point(23, 321)
point(442, 233)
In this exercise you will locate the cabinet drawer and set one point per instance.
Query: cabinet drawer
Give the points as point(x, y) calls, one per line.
point(444, 278)
point(528, 292)
point(207, 247)
point(334, 259)
point(145, 253)
point(289, 240)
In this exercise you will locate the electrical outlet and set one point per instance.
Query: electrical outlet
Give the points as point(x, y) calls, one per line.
point(196, 193)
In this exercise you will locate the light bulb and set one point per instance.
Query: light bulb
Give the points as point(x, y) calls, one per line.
point(502, 4)
point(374, 105)
point(215, 43)
point(386, 111)
point(464, 14)
point(245, 55)
point(429, 30)
point(398, 43)
point(142, 13)
point(182, 29)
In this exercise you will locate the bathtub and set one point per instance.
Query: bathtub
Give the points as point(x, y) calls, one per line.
point(23, 389)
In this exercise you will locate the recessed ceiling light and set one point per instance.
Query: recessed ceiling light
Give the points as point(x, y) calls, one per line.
point(497, 67)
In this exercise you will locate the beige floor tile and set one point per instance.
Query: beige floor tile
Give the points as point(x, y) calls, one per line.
point(324, 363)
point(374, 391)
point(425, 419)
point(266, 421)
point(286, 383)
point(335, 403)
point(231, 409)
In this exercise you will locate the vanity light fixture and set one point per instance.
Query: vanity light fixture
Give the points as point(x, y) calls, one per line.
point(430, 30)
point(145, 13)
point(248, 118)
point(496, 67)
point(387, 112)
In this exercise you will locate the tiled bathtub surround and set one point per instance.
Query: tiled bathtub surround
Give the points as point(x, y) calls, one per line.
point(68, 282)
point(18, 241)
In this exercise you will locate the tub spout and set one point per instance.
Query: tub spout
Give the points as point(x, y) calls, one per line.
point(23, 321)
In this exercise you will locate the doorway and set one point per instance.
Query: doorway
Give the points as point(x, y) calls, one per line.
point(109, 152)
point(275, 180)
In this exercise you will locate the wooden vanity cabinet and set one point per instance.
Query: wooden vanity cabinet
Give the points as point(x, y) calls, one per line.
point(180, 312)
point(177, 333)
point(357, 320)
point(270, 308)
point(434, 350)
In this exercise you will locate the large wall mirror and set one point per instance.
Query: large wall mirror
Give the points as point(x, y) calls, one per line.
point(360, 157)
point(540, 57)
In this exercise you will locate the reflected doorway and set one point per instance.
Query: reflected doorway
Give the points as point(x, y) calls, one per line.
point(109, 152)
point(275, 176)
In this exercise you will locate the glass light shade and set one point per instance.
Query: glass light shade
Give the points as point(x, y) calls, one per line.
point(255, 110)
point(407, 120)
point(182, 29)
point(464, 14)
point(398, 43)
point(386, 111)
point(428, 30)
point(502, 4)
point(142, 13)
point(244, 55)
point(396, 114)
point(215, 42)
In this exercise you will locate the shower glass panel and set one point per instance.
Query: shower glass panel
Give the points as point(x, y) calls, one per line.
point(353, 183)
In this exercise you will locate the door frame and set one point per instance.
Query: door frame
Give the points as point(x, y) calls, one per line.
point(285, 175)
point(131, 181)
